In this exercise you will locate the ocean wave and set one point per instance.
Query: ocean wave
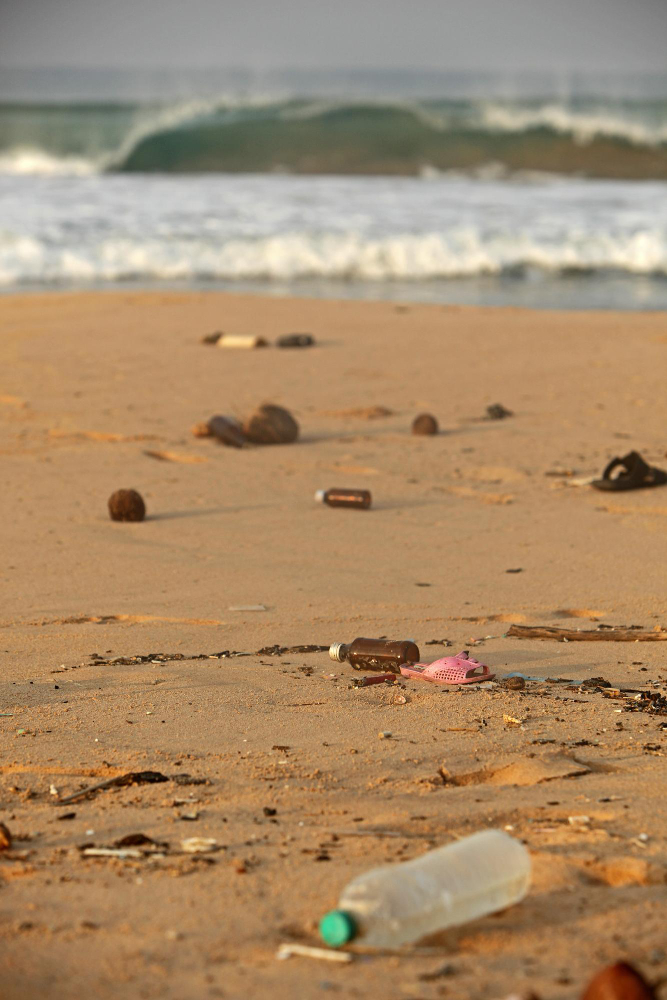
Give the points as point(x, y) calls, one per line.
point(301, 256)
point(269, 133)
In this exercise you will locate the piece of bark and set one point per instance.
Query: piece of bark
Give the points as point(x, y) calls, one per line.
point(586, 635)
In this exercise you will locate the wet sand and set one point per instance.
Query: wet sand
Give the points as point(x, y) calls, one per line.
point(91, 384)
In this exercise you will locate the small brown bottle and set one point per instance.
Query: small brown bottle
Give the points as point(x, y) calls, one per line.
point(361, 499)
point(384, 655)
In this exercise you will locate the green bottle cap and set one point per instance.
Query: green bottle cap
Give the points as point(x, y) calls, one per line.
point(337, 928)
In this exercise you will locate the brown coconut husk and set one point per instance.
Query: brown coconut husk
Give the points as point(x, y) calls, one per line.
point(425, 423)
point(271, 425)
point(126, 505)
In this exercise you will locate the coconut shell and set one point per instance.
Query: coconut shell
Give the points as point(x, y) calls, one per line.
point(425, 423)
point(271, 425)
point(126, 505)
point(618, 982)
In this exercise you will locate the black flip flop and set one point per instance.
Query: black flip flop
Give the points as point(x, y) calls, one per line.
point(635, 474)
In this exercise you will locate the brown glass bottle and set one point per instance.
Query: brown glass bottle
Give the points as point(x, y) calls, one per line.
point(384, 655)
point(335, 497)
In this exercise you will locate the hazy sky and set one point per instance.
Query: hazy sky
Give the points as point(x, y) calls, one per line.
point(561, 35)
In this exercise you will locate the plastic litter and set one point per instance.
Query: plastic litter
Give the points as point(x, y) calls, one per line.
point(397, 904)
point(337, 497)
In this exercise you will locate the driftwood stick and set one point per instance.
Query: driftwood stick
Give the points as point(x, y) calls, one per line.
point(614, 634)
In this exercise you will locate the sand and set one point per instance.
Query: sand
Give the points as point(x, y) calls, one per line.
point(99, 392)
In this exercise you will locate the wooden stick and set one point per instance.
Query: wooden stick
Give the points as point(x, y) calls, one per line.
point(615, 634)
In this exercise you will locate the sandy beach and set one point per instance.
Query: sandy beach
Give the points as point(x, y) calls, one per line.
point(99, 392)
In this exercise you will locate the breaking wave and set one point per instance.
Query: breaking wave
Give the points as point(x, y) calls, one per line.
point(593, 137)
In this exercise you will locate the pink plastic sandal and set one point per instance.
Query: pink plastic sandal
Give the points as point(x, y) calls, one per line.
point(459, 669)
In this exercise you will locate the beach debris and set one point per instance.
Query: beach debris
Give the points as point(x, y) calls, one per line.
point(295, 340)
point(227, 431)
point(459, 669)
point(513, 683)
point(400, 903)
point(360, 682)
point(211, 338)
point(618, 982)
point(425, 424)
point(122, 853)
point(603, 633)
point(120, 781)
point(517, 570)
point(126, 505)
point(498, 412)
point(199, 845)
point(341, 497)
point(511, 720)
point(381, 655)
point(5, 838)
point(269, 810)
point(307, 951)
point(271, 424)
point(190, 816)
point(439, 642)
point(240, 340)
point(281, 650)
point(69, 815)
point(201, 429)
point(635, 474)
point(579, 820)
point(385, 734)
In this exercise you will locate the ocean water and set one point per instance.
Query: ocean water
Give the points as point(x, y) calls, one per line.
point(470, 196)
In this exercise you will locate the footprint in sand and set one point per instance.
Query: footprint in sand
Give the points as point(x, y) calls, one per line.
point(526, 771)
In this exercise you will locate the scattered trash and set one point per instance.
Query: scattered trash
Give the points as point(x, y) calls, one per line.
point(227, 430)
point(385, 734)
point(199, 845)
point(513, 683)
point(140, 840)
point(397, 904)
point(618, 982)
point(459, 669)
point(131, 778)
point(280, 650)
point(579, 820)
point(336, 497)
point(439, 642)
point(498, 412)
point(190, 816)
point(376, 654)
point(306, 951)
point(518, 570)
point(122, 853)
point(361, 682)
point(604, 633)
point(271, 425)
point(425, 424)
point(187, 779)
point(211, 338)
point(511, 720)
point(269, 810)
point(126, 505)
point(244, 341)
point(247, 607)
point(5, 838)
point(69, 815)
point(53, 790)
point(635, 474)
point(295, 340)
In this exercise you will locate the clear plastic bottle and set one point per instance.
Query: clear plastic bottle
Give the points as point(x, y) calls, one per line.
point(396, 904)
point(385, 655)
point(338, 497)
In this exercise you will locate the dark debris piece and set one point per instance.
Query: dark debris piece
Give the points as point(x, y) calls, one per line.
point(649, 701)
point(281, 650)
point(131, 778)
point(498, 412)
point(188, 779)
point(438, 642)
point(595, 684)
